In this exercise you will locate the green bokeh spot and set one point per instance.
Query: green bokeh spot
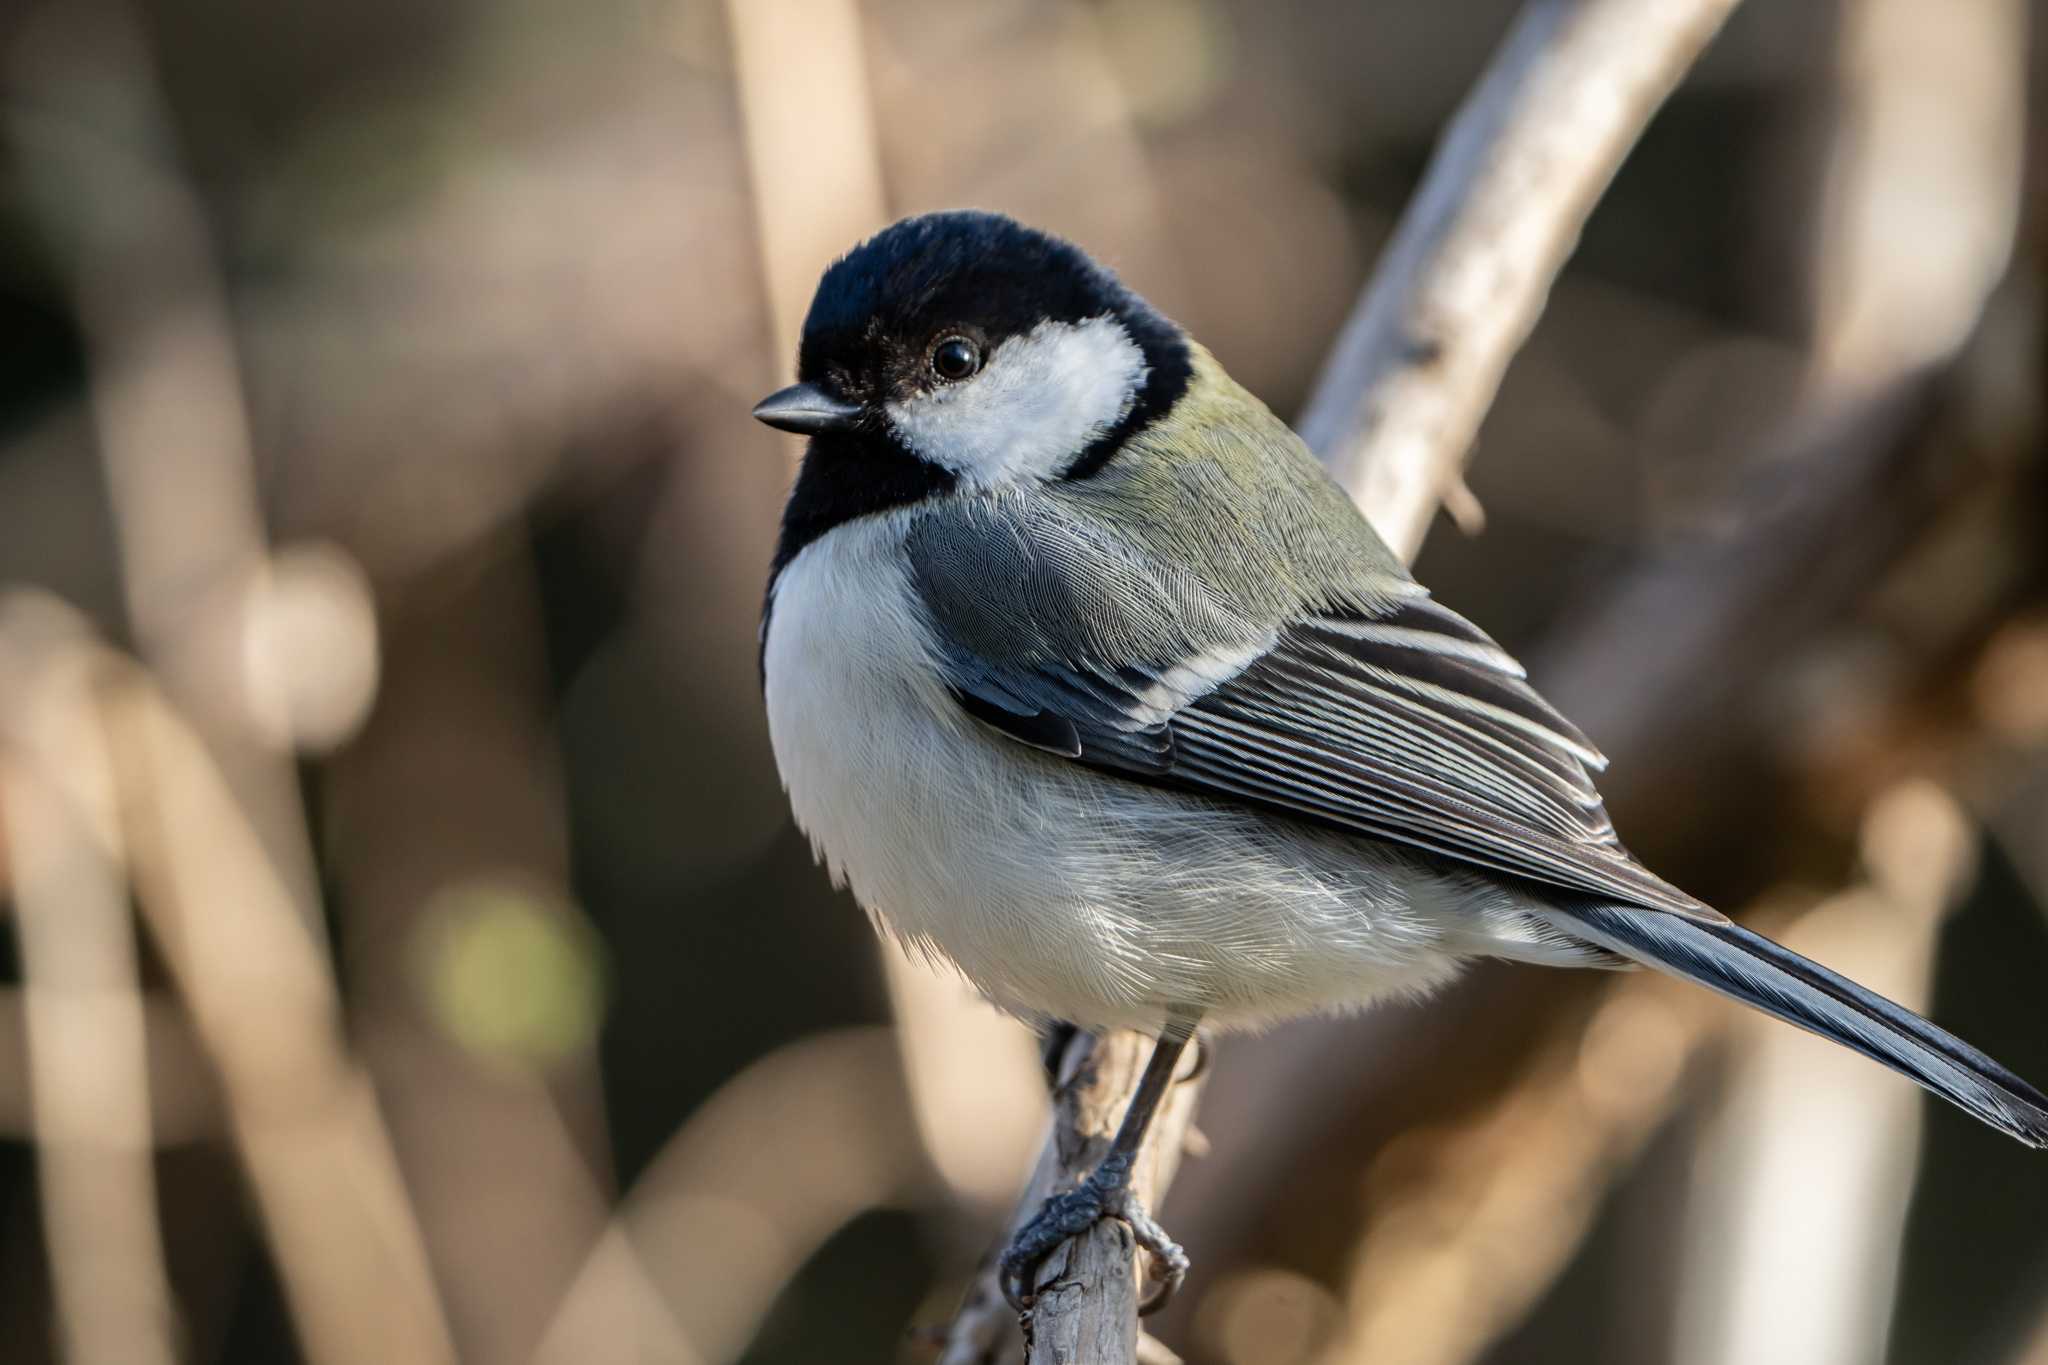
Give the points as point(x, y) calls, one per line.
point(512, 976)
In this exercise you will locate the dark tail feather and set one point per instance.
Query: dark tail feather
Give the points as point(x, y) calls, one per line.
point(1749, 967)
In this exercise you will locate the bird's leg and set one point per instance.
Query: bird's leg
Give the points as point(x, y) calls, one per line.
point(1106, 1193)
point(1052, 1044)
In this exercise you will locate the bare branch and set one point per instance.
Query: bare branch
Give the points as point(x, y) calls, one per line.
point(1468, 270)
point(1088, 1304)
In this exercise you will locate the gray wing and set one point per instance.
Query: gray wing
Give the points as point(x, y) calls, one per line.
point(1387, 715)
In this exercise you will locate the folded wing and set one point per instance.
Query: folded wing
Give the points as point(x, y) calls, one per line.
point(1393, 717)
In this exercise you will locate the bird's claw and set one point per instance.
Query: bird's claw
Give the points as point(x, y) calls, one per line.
point(1106, 1193)
point(1169, 1260)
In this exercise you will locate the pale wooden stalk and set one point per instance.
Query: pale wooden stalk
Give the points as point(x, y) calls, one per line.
point(86, 1046)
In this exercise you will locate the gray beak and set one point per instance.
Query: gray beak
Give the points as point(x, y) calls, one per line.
point(806, 410)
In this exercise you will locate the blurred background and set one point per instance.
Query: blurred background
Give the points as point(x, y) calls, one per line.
point(406, 952)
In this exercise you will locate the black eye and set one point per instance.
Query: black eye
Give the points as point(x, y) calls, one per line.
point(955, 359)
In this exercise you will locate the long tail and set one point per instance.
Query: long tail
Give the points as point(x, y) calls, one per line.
point(1748, 967)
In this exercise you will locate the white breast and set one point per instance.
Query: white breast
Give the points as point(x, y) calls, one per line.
point(1056, 890)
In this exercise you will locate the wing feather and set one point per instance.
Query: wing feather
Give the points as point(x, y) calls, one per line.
point(1390, 717)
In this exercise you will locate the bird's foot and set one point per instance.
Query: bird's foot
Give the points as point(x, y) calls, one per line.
point(1106, 1193)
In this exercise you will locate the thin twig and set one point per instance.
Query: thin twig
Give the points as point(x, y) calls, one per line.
point(1415, 370)
point(1468, 270)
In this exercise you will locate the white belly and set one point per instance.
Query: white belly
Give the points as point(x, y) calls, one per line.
point(1056, 890)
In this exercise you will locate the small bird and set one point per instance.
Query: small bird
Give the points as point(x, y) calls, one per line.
point(1087, 679)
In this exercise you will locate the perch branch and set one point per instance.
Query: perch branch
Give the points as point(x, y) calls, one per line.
point(1088, 1296)
point(1412, 374)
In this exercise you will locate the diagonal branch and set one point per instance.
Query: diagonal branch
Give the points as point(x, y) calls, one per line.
point(1467, 273)
point(1416, 367)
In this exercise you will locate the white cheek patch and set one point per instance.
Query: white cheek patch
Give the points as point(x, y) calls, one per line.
point(1037, 403)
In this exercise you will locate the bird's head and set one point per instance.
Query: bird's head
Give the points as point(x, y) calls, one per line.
point(980, 349)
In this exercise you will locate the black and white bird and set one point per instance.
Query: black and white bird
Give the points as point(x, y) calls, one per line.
point(1087, 679)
